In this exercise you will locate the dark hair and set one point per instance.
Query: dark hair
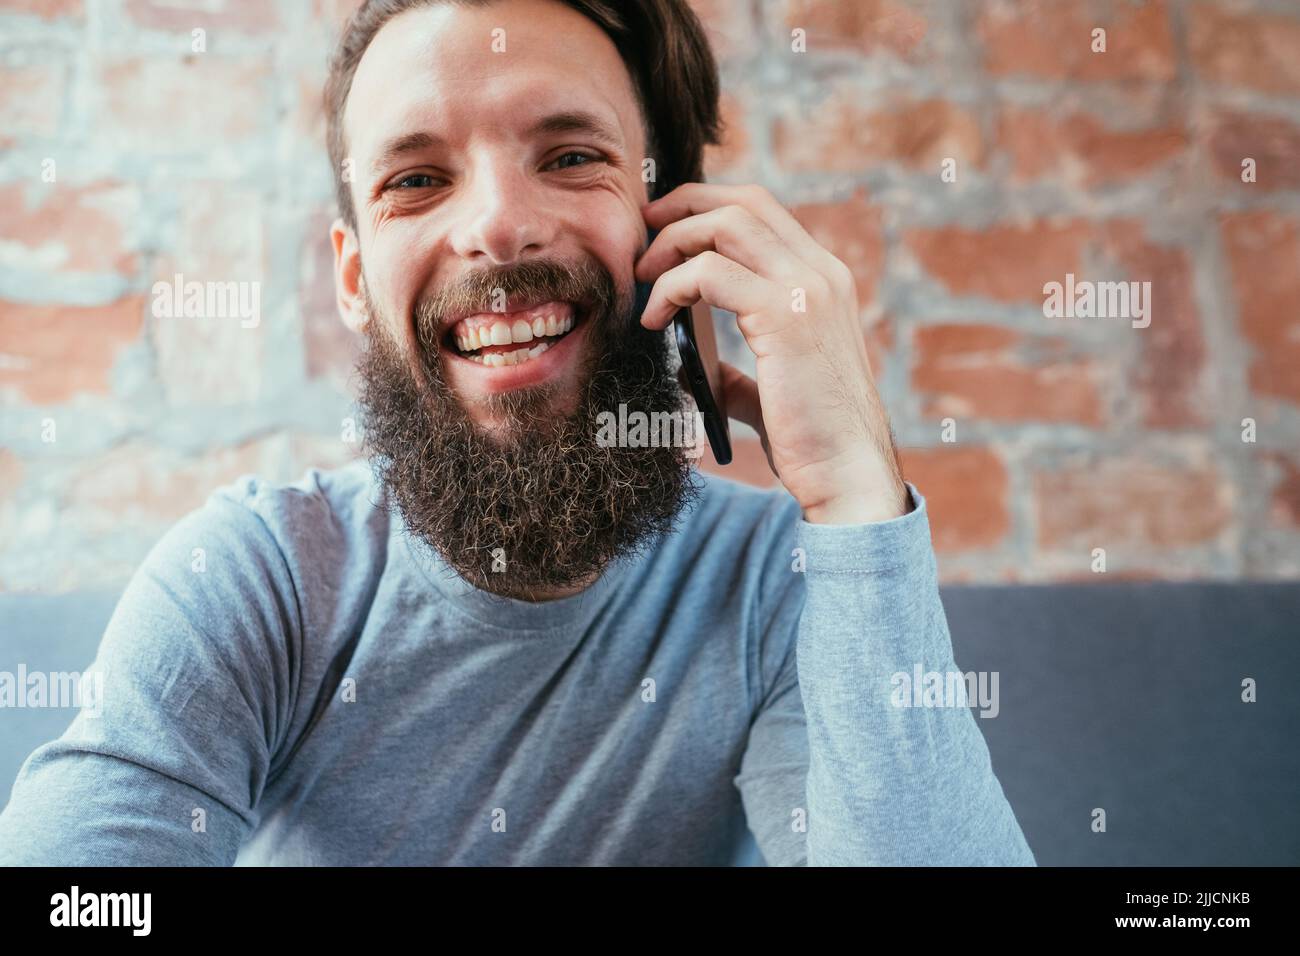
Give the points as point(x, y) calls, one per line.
point(660, 41)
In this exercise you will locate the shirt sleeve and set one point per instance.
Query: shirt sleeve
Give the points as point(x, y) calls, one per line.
point(165, 764)
point(839, 769)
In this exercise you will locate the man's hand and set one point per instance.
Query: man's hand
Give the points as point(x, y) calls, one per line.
point(815, 404)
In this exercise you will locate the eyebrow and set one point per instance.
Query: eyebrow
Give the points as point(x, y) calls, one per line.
point(565, 121)
point(578, 121)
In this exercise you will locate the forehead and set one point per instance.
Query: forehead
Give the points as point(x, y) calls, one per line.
point(434, 70)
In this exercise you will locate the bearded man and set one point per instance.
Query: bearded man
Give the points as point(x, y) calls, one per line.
point(497, 640)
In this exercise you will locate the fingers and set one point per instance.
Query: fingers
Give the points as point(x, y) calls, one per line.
point(691, 199)
point(733, 232)
point(757, 302)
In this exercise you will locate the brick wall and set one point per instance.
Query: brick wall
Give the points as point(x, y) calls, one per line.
point(957, 156)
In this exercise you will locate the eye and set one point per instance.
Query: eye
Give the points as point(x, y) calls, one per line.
point(413, 181)
point(584, 156)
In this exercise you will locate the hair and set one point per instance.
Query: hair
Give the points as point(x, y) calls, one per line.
point(661, 42)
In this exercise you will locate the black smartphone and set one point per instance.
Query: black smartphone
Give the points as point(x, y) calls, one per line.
point(698, 350)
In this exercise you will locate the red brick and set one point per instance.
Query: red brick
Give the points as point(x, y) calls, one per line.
point(1263, 251)
point(1130, 504)
point(966, 494)
point(841, 135)
point(1286, 489)
point(220, 239)
point(56, 352)
point(1053, 40)
point(1081, 150)
point(1272, 142)
point(144, 483)
point(331, 348)
point(852, 231)
point(47, 9)
point(334, 13)
point(1286, 492)
point(152, 486)
point(729, 27)
point(1006, 262)
point(1245, 48)
point(31, 97)
point(868, 25)
point(215, 360)
point(233, 16)
point(734, 154)
point(11, 474)
point(880, 342)
point(984, 371)
point(198, 102)
point(748, 464)
point(1168, 374)
point(69, 228)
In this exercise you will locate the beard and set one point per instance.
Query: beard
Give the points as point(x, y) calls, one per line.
point(558, 504)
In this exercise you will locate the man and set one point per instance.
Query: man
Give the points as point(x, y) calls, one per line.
point(511, 643)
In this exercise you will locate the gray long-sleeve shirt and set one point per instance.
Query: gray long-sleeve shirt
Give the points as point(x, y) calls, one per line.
point(291, 678)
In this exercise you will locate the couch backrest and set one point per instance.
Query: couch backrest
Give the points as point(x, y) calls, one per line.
point(1123, 697)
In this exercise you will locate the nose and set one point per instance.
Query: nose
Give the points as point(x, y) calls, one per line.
point(500, 220)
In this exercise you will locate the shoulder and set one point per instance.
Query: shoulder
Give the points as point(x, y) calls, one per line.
point(330, 528)
point(263, 548)
point(744, 513)
point(324, 513)
point(318, 501)
point(737, 537)
point(240, 579)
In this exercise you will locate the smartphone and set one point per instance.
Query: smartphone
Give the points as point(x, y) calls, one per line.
point(698, 348)
point(699, 351)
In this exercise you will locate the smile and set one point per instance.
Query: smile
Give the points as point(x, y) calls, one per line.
point(500, 339)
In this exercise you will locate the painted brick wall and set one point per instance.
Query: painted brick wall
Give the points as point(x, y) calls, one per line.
point(957, 156)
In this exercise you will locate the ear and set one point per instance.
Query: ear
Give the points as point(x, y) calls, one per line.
point(347, 276)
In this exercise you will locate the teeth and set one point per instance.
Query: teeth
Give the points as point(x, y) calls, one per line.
point(508, 333)
point(517, 357)
point(521, 330)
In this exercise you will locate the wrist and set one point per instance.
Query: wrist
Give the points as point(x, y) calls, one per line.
point(893, 501)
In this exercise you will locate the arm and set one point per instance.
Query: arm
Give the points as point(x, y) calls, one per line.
point(890, 784)
point(196, 680)
point(834, 773)
point(884, 784)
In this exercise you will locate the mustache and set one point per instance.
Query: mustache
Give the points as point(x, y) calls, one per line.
point(586, 282)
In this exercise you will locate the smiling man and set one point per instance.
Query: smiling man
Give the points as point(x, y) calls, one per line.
point(501, 641)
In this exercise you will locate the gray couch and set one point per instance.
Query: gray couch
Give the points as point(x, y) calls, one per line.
point(1120, 696)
